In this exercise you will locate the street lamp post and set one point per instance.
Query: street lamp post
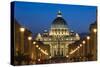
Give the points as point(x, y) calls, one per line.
point(67, 58)
point(81, 52)
point(29, 49)
point(83, 49)
point(37, 53)
point(88, 46)
point(34, 51)
point(78, 51)
point(22, 30)
point(95, 44)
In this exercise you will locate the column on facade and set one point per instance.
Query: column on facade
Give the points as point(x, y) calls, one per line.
point(55, 52)
point(57, 49)
point(64, 49)
point(60, 49)
point(51, 50)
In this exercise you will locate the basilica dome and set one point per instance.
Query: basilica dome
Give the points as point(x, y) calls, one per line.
point(59, 22)
point(59, 26)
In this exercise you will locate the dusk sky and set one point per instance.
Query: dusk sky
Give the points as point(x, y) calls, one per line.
point(38, 17)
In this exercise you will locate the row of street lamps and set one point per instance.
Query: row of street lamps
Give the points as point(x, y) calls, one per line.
point(85, 42)
point(22, 30)
point(81, 45)
point(43, 51)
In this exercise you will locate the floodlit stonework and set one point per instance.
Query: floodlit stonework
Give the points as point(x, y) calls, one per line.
point(58, 37)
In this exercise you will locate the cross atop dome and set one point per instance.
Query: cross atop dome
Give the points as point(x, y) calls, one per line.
point(59, 14)
point(59, 11)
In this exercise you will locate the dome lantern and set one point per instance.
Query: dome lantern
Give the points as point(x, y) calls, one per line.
point(59, 14)
point(59, 21)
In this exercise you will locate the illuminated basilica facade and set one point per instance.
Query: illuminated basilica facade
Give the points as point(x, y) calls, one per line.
point(58, 37)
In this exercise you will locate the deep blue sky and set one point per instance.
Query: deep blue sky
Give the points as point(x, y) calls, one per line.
point(38, 16)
